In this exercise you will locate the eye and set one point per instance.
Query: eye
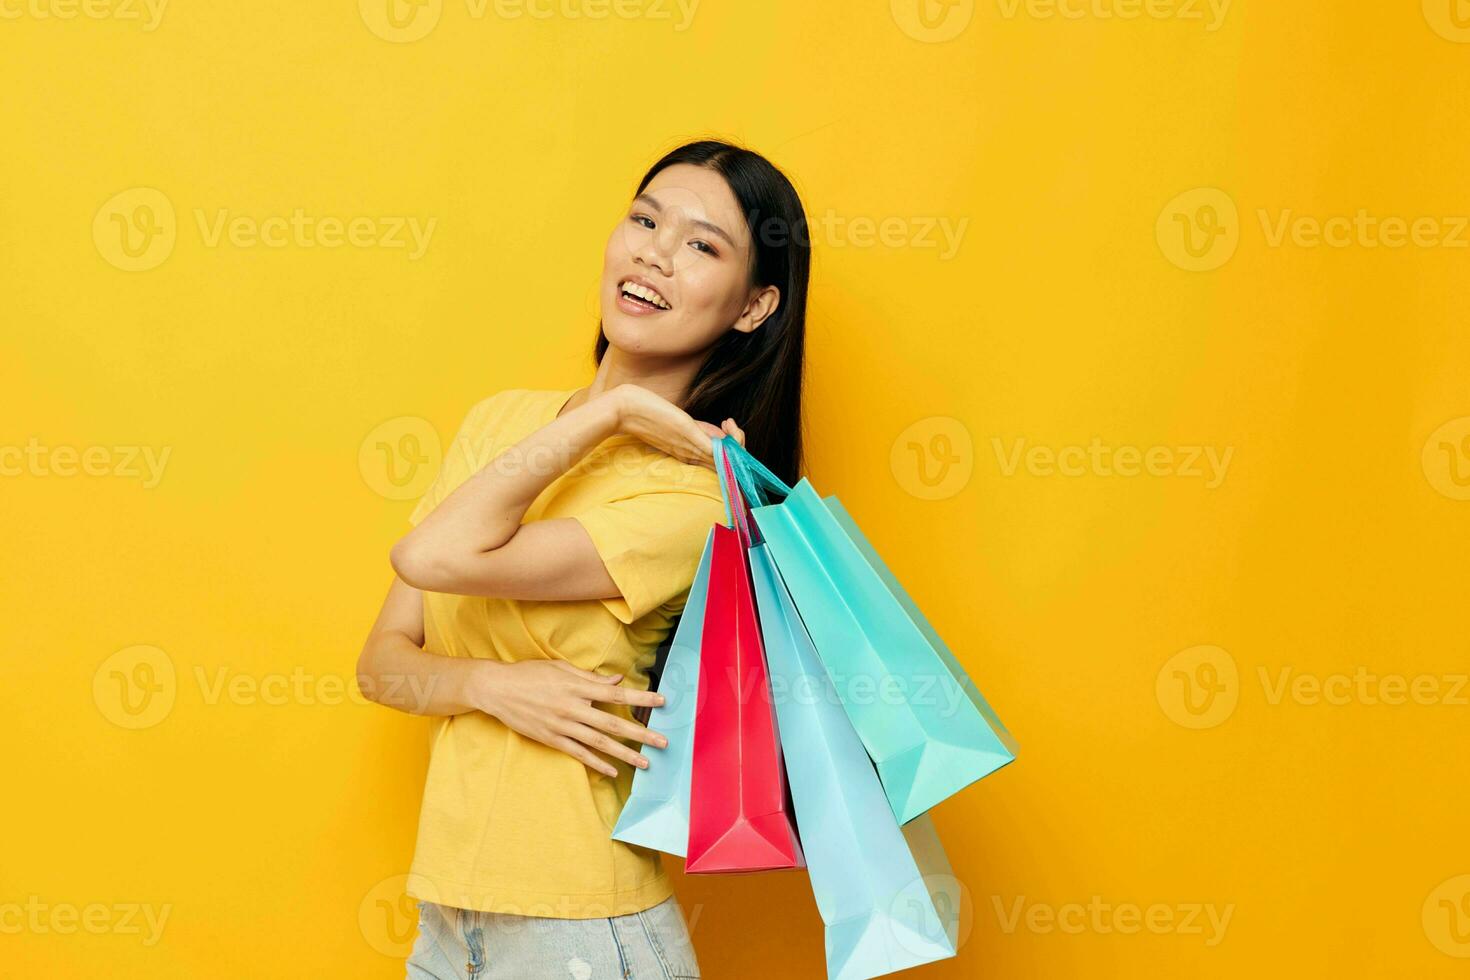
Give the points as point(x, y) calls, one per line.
point(703, 246)
point(641, 219)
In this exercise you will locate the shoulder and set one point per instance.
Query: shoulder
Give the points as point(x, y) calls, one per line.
point(624, 470)
point(479, 411)
point(662, 473)
point(504, 407)
point(685, 493)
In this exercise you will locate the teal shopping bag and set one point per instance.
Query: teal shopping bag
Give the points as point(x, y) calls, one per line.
point(886, 893)
point(920, 717)
point(656, 813)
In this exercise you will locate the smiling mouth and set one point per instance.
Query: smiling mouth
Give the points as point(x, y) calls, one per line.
point(643, 295)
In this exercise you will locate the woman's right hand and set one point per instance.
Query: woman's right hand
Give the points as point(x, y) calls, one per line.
point(551, 701)
point(667, 427)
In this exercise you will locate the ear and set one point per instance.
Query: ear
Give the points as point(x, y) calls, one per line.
point(761, 305)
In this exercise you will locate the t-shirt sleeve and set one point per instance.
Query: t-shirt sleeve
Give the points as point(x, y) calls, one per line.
point(651, 543)
point(458, 460)
point(429, 500)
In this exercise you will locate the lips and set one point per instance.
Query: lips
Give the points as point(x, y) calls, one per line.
point(641, 295)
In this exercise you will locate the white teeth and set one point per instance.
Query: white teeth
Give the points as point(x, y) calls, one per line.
point(643, 292)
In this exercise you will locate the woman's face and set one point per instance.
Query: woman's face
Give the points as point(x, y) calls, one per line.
point(676, 272)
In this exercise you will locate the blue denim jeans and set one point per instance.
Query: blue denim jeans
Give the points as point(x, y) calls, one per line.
point(463, 944)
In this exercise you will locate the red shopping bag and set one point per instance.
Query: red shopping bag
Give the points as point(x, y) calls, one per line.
point(740, 814)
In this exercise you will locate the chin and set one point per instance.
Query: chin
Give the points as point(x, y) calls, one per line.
point(624, 332)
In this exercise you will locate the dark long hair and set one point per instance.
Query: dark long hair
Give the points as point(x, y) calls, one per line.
point(756, 377)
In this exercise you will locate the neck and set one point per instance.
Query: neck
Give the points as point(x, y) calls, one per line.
point(666, 377)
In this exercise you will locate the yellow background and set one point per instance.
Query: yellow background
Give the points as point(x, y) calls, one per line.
point(275, 832)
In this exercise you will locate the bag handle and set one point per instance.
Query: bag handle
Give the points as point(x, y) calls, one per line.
point(751, 474)
point(737, 514)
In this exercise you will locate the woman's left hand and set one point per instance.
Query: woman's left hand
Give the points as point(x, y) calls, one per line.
point(667, 427)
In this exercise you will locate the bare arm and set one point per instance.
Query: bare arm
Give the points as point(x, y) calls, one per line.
point(395, 671)
point(550, 701)
point(474, 543)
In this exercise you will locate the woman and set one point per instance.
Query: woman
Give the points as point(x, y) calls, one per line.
point(552, 556)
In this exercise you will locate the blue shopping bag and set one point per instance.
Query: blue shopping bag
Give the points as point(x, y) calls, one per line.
point(656, 813)
point(920, 717)
point(885, 892)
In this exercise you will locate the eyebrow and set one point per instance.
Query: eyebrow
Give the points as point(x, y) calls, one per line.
point(716, 229)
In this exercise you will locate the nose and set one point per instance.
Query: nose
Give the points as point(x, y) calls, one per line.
point(657, 250)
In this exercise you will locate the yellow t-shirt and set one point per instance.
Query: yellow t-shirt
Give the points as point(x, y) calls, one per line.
point(509, 824)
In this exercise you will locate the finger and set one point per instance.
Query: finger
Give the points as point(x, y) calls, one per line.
point(617, 694)
point(590, 675)
point(701, 444)
point(729, 426)
point(606, 744)
point(597, 718)
point(582, 754)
